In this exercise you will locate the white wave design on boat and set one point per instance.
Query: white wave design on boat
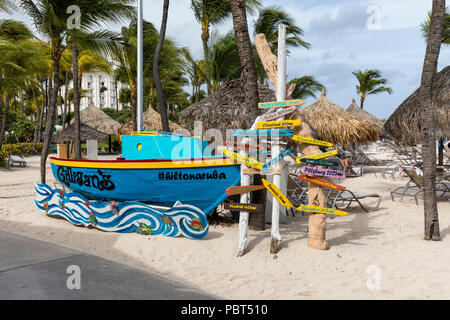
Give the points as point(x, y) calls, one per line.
point(123, 217)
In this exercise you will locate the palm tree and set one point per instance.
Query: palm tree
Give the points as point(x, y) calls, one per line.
point(161, 103)
point(213, 12)
point(93, 14)
point(6, 5)
point(267, 23)
point(304, 87)
point(246, 57)
point(425, 26)
point(224, 59)
point(428, 131)
point(370, 82)
point(49, 18)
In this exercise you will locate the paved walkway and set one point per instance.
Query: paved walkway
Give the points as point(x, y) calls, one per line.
point(33, 269)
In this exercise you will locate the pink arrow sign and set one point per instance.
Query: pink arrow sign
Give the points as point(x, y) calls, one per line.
point(277, 114)
point(324, 172)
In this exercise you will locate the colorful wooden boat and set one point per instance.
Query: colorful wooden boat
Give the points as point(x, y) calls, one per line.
point(158, 170)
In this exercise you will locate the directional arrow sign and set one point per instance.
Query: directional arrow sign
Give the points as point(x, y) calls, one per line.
point(319, 162)
point(244, 207)
point(278, 114)
point(264, 133)
point(315, 209)
point(278, 124)
point(319, 156)
point(274, 161)
point(243, 146)
point(323, 172)
point(277, 194)
point(249, 162)
point(232, 191)
point(322, 183)
point(312, 141)
point(280, 104)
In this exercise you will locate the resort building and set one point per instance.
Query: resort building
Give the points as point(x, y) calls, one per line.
point(102, 90)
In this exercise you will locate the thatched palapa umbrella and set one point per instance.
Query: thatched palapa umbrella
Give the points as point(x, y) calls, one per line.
point(151, 120)
point(225, 108)
point(404, 125)
point(86, 133)
point(377, 123)
point(97, 119)
point(336, 125)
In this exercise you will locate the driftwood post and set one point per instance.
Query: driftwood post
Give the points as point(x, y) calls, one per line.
point(316, 195)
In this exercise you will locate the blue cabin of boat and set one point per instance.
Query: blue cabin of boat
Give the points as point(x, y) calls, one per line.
point(174, 147)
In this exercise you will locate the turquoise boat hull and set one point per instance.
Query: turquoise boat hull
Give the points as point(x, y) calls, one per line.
point(157, 182)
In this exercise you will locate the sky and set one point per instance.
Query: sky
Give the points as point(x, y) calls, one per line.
point(345, 35)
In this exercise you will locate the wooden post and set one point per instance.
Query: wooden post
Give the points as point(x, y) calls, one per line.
point(317, 226)
point(281, 95)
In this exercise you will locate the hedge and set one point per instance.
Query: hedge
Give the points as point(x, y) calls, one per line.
point(4, 157)
point(22, 149)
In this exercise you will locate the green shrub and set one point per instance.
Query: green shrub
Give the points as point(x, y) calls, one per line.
point(4, 157)
point(22, 149)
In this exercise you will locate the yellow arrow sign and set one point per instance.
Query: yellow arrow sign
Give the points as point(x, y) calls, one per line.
point(319, 156)
point(249, 162)
point(278, 124)
point(277, 194)
point(312, 141)
point(314, 209)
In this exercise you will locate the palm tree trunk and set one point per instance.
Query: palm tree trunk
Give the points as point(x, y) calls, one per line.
point(117, 100)
point(38, 116)
point(49, 125)
point(362, 102)
point(428, 132)
point(205, 39)
point(257, 220)
point(4, 119)
point(76, 101)
point(159, 90)
point(22, 103)
point(66, 93)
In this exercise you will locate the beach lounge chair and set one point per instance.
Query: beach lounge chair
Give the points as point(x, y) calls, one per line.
point(344, 199)
point(299, 194)
point(19, 160)
point(414, 187)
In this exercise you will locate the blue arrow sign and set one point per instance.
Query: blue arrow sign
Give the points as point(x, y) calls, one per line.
point(265, 168)
point(264, 133)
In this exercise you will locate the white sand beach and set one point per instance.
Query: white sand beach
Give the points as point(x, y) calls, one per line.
point(388, 241)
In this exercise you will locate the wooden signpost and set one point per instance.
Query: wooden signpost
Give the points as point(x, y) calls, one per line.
point(312, 141)
point(281, 104)
point(264, 133)
point(315, 209)
point(243, 146)
point(319, 156)
point(322, 183)
point(323, 172)
point(278, 114)
point(232, 191)
point(244, 207)
point(278, 124)
point(277, 194)
point(249, 162)
point(274, 161)
point(319, 162)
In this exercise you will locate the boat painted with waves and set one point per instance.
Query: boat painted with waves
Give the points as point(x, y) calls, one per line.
point(154, 169)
